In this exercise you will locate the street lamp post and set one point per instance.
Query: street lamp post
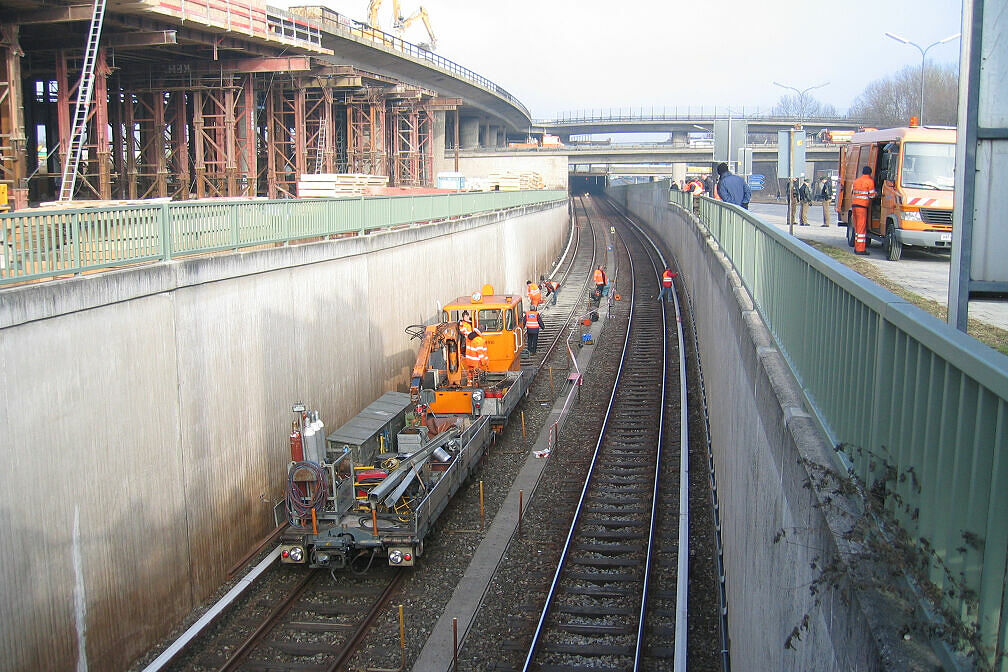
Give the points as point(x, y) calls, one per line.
point(923, 51)
point(791, 132)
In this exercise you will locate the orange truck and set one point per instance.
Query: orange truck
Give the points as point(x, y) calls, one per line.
point(913, 169)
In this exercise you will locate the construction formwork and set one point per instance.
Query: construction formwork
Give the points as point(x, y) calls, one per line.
point(227, 115)
point(229, 134)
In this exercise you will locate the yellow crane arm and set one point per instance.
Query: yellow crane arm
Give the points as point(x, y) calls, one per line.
point(421, 13)
point(373, 7)
point(435, 337)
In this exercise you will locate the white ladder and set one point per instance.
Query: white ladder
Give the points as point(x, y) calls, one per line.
point(78, 132)
point(323, 126)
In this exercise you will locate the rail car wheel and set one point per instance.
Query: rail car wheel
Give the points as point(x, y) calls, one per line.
point(893, 247)
point(850, 231)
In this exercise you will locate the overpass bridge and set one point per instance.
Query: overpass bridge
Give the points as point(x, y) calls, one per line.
point(225, 98)
point(680, 124)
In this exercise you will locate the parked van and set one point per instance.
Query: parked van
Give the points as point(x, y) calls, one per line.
point(913, 169)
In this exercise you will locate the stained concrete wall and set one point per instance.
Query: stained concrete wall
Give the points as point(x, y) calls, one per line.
point(146, 413)
point(762, 438)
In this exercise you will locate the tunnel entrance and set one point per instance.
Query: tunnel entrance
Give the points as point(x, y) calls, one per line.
point(588, 184)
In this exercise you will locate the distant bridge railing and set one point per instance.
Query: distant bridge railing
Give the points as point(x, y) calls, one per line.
point(38, 243)
point(689, 113)
point(911, 396)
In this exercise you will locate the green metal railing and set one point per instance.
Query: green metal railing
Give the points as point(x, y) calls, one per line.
point(38, 244)
point(918, 396)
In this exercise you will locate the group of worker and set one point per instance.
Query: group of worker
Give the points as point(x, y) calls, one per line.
point(533, 321)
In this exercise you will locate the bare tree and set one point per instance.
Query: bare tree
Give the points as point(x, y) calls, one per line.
point(803, 107)
point(891, 101)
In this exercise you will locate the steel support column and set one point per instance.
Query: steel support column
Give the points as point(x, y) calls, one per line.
point(412, 160)
point(13, 166)
point(366, 148)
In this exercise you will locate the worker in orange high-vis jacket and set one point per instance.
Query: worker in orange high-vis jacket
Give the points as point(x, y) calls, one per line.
point(863, 190)
point(476, 358)
point(666, 284)
point(465, 325)
point(534, 293)
point(533, 323)
point(600, 280)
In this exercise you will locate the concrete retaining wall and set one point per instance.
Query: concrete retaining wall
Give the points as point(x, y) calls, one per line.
point(761, 438)
point(146, 413)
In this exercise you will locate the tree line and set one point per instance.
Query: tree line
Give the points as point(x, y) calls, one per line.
point(891, 101)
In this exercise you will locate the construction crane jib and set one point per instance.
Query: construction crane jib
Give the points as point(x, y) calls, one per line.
point(400, 22)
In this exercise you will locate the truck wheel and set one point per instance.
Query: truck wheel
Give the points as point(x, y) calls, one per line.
point(893, 247)
point(850, 231)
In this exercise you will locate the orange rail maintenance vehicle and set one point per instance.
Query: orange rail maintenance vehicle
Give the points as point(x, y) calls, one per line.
point(913, 168)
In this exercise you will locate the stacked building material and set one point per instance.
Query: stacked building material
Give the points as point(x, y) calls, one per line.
point(335, 185)
point(515, 181)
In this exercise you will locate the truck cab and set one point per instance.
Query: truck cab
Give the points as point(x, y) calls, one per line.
point(913, 168)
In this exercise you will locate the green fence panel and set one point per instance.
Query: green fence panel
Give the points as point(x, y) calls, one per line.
point(38, 244)
point(908, 389)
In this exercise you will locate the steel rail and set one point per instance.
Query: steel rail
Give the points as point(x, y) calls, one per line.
point(268, 624)
point(577, 243)
point(343, 657)
point(682, 575)
point(591, 469)
point(658, 462)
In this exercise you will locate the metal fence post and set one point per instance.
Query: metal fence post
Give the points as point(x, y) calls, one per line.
point(77, 251)
point(166, 242)
point(233, 216)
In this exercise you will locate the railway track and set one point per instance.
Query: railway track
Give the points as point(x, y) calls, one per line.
point(596, 609)
point(312, 624)
point(575, 281)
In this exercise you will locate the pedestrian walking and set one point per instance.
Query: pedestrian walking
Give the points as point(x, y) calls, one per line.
point(732, 188)
point(666, 284)
point(533, 323)
point(826, 195)
point(804, 200)
point(863, 190)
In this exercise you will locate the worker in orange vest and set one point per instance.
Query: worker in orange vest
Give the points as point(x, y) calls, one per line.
point(533, 322)
point(551, 287)
point(666, 284)
point(534, 294)
point(476, 358)
point(600, 280)
point(465, 325)
point(863, 190)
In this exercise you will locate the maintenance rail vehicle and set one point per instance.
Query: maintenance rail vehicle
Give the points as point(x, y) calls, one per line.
point(375, 487)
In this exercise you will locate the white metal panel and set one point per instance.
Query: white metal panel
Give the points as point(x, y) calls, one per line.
point(990, 223)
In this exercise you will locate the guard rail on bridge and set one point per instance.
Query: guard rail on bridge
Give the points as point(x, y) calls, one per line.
point(688, 114)
point(908, 395)
point(40, 243)
point(340, 24)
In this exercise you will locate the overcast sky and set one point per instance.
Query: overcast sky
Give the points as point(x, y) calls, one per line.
point(565, 56)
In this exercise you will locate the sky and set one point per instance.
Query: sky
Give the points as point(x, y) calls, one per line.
point(563, 57)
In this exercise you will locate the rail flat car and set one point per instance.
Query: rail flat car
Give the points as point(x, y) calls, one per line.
point(373, 489)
